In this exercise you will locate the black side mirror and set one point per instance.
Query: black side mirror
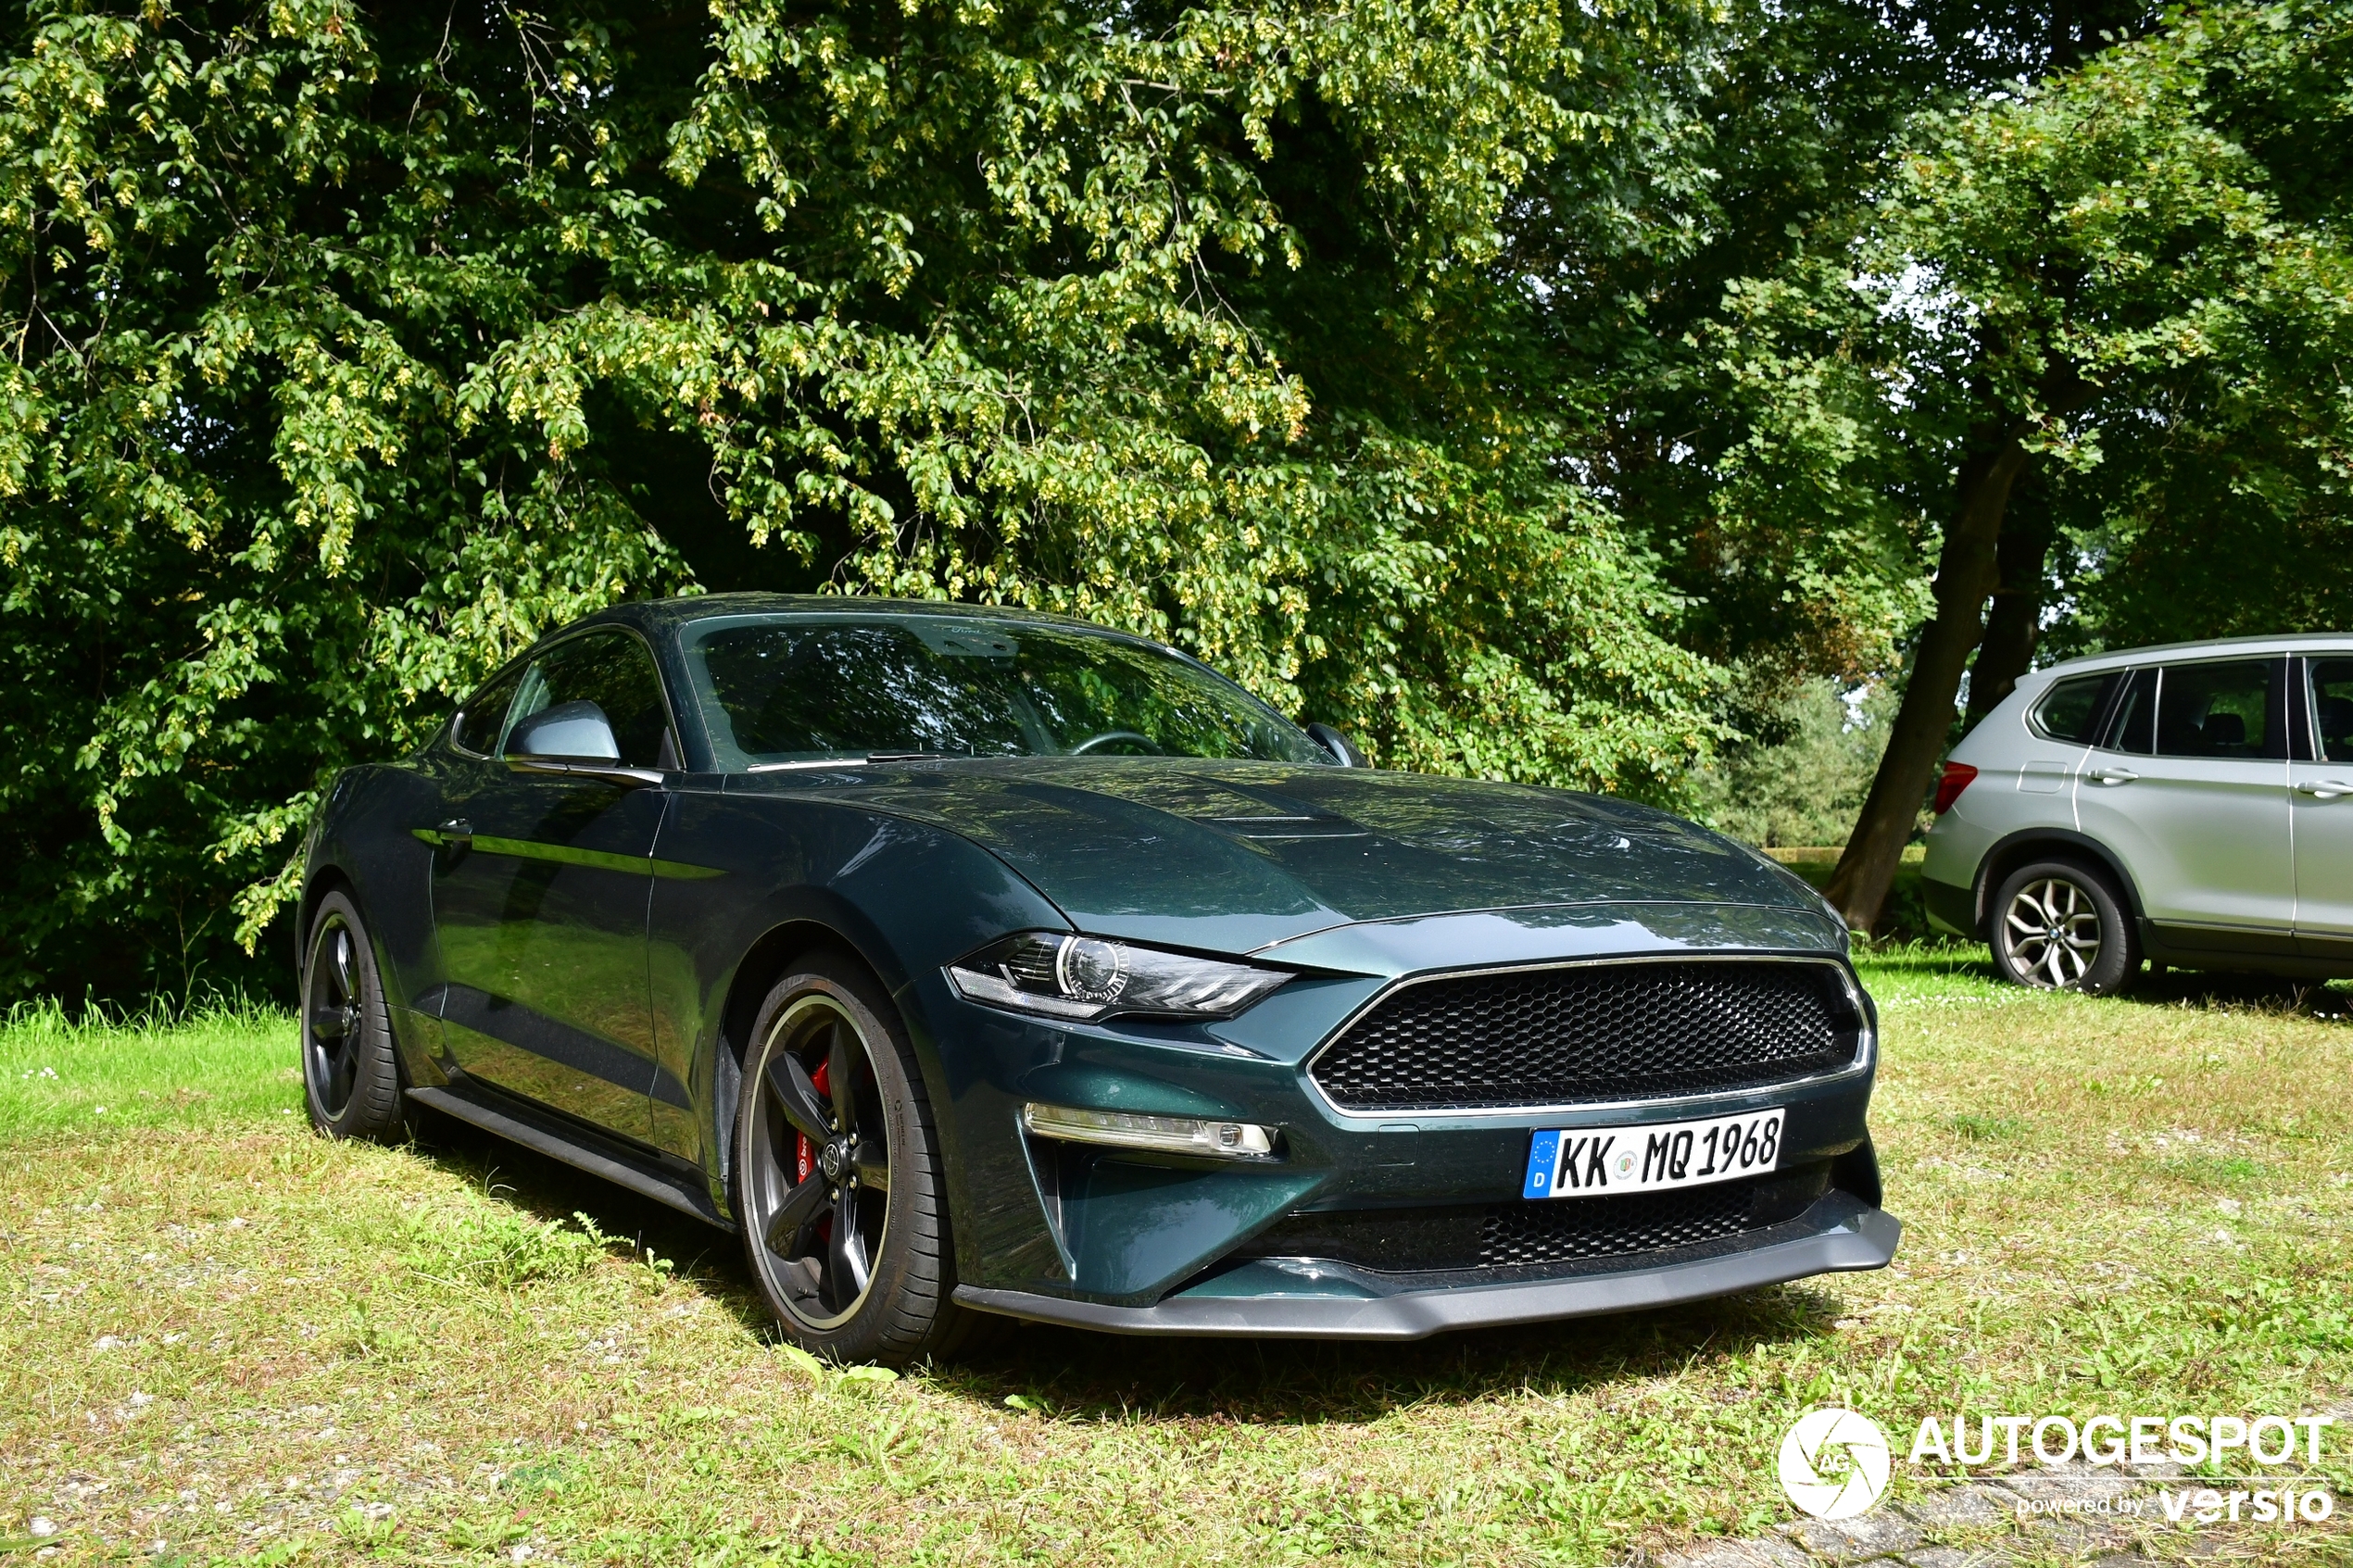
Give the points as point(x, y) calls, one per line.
point(1343, 749)
point(576, 730)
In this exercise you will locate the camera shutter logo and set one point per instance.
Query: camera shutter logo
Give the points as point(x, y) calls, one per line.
point(1834, 1463)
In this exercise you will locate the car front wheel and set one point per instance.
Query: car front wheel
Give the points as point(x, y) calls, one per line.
point(2060, 925)
point(837, 1176)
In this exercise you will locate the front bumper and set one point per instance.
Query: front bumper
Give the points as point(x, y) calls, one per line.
point(1071, 1234)
point(1303, 1299)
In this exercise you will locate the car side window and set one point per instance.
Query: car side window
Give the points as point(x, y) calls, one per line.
point(614, 671)
point(482, 722)
point(2332, 708)
point(2134, 726)
point(2071, 710)
point(2225, 710)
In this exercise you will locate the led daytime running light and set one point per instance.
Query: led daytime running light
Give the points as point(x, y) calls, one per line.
point(1163, 1135)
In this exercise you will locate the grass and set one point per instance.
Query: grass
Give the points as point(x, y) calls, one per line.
point(228, 1062)
point(224, 1334)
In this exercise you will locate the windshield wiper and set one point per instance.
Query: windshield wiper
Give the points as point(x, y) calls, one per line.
point(847, 761)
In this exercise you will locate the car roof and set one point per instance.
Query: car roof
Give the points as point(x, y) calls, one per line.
point(2290, 642)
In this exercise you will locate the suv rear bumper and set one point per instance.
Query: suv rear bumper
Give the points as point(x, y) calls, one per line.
point(1950, 909)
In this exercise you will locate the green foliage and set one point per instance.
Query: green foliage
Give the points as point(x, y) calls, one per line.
point(1802, 776)
point(350, 349)
point(1522, 386)
point(2136, 270)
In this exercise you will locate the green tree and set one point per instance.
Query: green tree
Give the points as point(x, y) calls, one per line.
point(349, 349)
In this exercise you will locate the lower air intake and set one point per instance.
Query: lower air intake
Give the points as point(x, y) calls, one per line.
point(1550, 1233)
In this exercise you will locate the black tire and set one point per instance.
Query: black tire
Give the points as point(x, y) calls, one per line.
point(350, 1072)
point(2062, 925)
point(808, 1235)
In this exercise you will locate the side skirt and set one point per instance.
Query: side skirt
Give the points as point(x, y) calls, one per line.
point(544, 1135)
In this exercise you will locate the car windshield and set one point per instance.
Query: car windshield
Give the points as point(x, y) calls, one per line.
point(782, 691)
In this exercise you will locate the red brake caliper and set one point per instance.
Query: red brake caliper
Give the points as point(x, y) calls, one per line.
point(804, 1158)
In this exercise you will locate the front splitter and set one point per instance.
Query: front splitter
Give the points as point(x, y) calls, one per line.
point(1848, 1237)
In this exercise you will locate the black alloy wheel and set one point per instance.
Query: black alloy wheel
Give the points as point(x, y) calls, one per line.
point(823, 1190)
point(836, 1183)
point(350, 1072)
point(2058, 926)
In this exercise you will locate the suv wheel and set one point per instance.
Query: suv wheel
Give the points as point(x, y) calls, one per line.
point(2060, 924)
point(837, 1175)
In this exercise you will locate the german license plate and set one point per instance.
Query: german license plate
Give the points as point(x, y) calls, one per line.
point(1581, 1161)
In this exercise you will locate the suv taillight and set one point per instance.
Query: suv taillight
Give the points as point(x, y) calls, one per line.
point(1949, 786)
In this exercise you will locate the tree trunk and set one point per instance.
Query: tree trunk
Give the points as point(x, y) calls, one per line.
point(2014, 626)
point(1964, 575)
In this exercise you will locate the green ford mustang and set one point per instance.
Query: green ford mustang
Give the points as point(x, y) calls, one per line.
point(976, 966)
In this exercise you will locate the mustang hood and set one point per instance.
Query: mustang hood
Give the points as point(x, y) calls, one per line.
point(1233, 856)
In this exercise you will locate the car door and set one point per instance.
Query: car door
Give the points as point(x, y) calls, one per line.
point(2191, 792)
point(540, 895)
point(2321, 809)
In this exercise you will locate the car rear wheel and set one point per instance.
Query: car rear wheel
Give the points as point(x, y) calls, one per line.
point(350, 1073)
point(2059, 926)
point(837, 1176)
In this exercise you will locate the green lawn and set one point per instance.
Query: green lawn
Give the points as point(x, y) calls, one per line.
point(224, 1065)
point(224, 1334)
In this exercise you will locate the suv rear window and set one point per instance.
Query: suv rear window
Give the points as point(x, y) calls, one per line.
point(2071, 709)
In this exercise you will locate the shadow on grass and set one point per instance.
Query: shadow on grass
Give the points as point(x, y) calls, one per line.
point(1073, 1374)
point(2205, 989)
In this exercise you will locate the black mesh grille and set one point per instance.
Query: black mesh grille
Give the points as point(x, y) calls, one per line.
point(1559, 1037)
point(1548, 1231)
point(1556, 1232)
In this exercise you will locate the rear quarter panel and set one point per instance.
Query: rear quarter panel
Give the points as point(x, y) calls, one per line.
point(2023, 780)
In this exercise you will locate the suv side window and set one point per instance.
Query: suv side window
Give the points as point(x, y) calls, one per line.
point(2134, 726)
point(614, 671)
point(2332, 708)
point(481, 724)
point(2225, 710)
point(2071, 710)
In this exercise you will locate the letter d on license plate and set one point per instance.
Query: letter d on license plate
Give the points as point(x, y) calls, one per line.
point(1581, 1161)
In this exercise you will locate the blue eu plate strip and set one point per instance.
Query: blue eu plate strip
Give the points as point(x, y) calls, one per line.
point(1543, 1153)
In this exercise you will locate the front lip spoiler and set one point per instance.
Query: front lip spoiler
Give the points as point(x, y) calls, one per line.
point(1850, 1236)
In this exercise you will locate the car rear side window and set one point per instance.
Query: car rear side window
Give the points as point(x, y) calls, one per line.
point(2332, 708)
point(2135, 727)
point(2071, 709)
point(2224, 711)
point(614, 671)
point(481, 724)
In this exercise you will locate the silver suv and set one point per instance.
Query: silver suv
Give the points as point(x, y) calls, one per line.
point(2190, 805)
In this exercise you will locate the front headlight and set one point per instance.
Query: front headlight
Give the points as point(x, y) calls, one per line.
point(1083, 978)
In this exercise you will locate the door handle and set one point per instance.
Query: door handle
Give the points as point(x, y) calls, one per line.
point(2324, 789)
point(456, 830)
point(2116, 775)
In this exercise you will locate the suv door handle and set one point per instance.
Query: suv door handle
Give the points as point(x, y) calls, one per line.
point(2116, 775)
point(2324, 789)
